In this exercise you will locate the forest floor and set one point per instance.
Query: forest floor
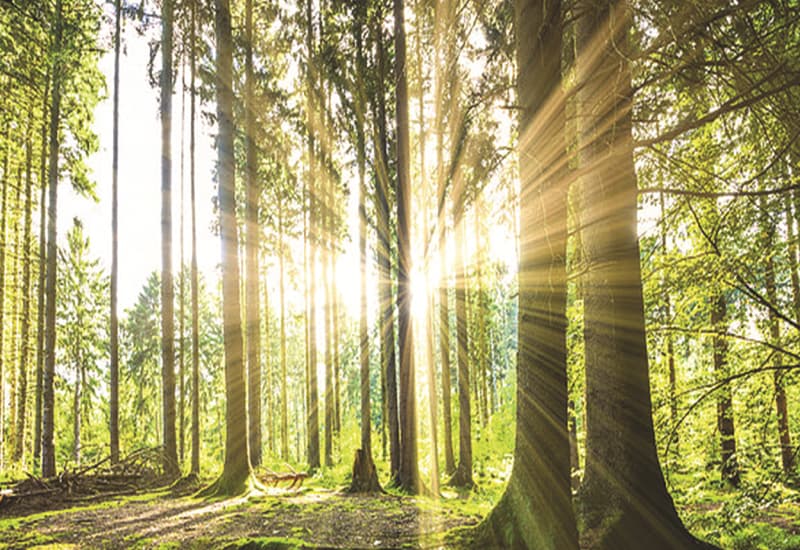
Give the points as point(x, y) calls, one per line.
point(318, 516)
point(309, 517)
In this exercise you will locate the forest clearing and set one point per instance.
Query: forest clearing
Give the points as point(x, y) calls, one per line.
point(512, 274)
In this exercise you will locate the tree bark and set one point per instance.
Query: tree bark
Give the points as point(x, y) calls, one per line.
point(253, 230)
point(623, 497)
point(536, 509)
point(729, 467)
point(171, 467)
point(40, 308)
point(462, 477)
point(387, 330)
point(236, 471)
point(365, 476)
point(48, 374)
point(195, 467)
point(113, 400)
point(409, 469)
point(313, 414)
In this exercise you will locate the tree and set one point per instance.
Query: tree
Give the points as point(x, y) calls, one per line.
point(48, 374)
point(171, 465)
point(536, 509)
point(408, 476)
point(386, 330)
point(623, 497)
point(82, 319)
point(252, 246)
point(195, 462)
point(365, 476)
point(113, 406)
point(236, 470)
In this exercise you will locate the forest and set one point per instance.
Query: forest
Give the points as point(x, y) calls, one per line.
point(400, 274)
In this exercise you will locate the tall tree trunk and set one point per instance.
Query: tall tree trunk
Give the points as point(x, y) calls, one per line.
point(268, 368)
point(25, 289)
point(4, 212)
point(284, 395)
point(182, 296)
point(236, 470)
point(443, 15)
point(113, 400)
point(40, 309)
point(365, 476)
point(623, 497)
point(536, 509)
point(725, 420)
point(669, 348)
point(313, 414)
point(481, 313)
point(386, 331)
point(409, 469)
point(76, 410)
point(195, 468)
point(48, 374)
point(462, 477)
point(430, 369)
point(781, 407)
point(253, 229)
point(171, 466)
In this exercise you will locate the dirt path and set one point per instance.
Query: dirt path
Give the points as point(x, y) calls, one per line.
point(318, 518)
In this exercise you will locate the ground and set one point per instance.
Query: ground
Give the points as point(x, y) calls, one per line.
point(313, 518)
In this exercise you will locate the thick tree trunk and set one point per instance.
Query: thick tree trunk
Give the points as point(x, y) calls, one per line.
point(251, 298)
point(113, 400)
point(409, 469)
point(171, 467)
point(387, 331)
point(48, 374)
point(236, 471)
point(365, 476)
point(536, 509)
point(623, 498)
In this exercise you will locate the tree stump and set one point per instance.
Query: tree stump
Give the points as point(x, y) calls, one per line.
point(365, 476)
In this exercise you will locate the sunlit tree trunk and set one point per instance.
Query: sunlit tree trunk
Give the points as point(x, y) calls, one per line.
point(195, 468)
point(236, 470)
point(313, 414)
point(113, 400)
point(442, 15)
point(48, 373)
point(167, 288)
point(669, 346)
point(462, 477)
point(481, 314)
point(268, 368)
point(536, 509)
point(386, 331)
point(430, 368)
point(253, 229)
point(365, 476)
point(623, 498)
point(409, 478)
